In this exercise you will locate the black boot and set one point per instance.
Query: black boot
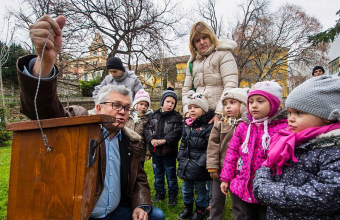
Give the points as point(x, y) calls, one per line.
point(172, 200)
point(158, 197)
point(186, 212)
point(199, 214)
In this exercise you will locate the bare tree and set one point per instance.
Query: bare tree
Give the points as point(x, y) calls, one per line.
point(5, 51)
point(129, 27)
point(31, 10)
point(246, 31)
point(268, 41)
point(208, 12)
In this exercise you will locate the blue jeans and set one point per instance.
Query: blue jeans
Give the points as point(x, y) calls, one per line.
point(124, 212)
point(188, 187)
point(165, 165)
point(209, 190)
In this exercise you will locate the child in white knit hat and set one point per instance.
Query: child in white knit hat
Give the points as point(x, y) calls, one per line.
point(138, 119)
point(234, 105)
point(247, 148)
point(192, 155)
point(306, 156)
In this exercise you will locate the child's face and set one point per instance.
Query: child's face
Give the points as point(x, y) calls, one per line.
point(299, 120)
point(231, 107)
point(116, 73)
point(195, 111)
point(258, 106)
point(142, 107)
point(169, 104)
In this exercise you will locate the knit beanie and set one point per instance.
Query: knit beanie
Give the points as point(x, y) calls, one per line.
point(319, 96)
point(270, 90)
point(199, 99)
point(115, 63)
point(140, 96)
point(318, 68)
point(168, 92)
point(239, 94)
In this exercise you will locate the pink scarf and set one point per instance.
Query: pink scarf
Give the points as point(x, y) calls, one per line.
point(282, 145)
point(189, 121)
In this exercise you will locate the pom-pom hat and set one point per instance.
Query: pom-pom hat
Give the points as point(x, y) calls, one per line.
point(199, 99)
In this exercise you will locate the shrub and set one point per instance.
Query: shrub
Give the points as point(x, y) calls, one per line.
point(4, 135)
point(88, 87)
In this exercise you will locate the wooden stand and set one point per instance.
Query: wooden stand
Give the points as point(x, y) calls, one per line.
point(60, 184)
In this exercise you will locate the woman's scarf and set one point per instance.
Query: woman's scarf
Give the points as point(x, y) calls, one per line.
point(281, 148)
point(200, 56)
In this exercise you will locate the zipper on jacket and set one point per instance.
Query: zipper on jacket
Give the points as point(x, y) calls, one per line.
point(188, 147)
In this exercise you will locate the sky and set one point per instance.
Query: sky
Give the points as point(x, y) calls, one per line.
point(323, 10)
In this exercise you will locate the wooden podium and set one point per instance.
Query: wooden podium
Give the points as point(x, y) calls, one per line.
point(60, 184)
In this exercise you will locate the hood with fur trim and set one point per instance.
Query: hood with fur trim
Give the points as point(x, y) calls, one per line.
point(330, 139)
point(131, 134)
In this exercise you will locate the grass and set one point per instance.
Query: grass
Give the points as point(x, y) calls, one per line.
point(170, 213)
point(5, 158)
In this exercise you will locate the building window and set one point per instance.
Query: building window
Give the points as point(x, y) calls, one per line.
point(85, 77)
point(178, 71)
point(184, 71)
point(94, 53)
point(334, 66)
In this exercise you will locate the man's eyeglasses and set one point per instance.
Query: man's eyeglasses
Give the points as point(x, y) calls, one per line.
point(118, 107)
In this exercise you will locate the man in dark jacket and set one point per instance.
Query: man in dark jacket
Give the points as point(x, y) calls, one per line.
point(125, 193)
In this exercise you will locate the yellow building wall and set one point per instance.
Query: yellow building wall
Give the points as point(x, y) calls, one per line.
point(283, 78)
point(181, 76)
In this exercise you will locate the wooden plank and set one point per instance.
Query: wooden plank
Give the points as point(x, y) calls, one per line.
point(86, 176)
point(42, 184)
point(60, 122)
point(12, 194)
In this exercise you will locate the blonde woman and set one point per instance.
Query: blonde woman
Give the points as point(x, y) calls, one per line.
point(213, 67)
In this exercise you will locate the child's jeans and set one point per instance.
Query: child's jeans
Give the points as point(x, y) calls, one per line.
point(188, 187)
point(165, 165)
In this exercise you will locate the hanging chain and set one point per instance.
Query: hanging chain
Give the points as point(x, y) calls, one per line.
point(48, 147)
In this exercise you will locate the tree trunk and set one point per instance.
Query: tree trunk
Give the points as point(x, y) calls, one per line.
point(2, 89)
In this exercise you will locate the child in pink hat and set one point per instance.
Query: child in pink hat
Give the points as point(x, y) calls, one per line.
point(138, 119)
point(248, 148)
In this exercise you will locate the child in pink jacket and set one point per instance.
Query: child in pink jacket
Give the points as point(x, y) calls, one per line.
point(248, 147)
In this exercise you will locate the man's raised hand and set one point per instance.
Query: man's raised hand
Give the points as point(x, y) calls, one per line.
point(38, 33)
